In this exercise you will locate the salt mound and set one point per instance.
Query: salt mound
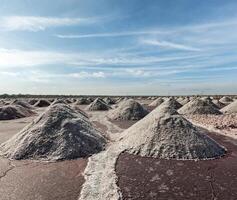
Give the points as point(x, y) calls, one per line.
point(168, 135)
point(218, 103)
point(226, 100)
point(59, 133)
point(156, 102)
point(82, 101)
point(108, 100)
point(172, 103)
point(58, 101)
point(231, 108)
point(14, 112)
point(32, 101)
point(199, 106)
point(42, 103)
point(98, 104)
point(128, 110)
point(21, 103)
point(184, 101)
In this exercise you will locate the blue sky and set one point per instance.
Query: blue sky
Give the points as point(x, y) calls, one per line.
point(135, 47)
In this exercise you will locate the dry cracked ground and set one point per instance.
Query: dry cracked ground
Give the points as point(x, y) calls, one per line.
point(138, 177)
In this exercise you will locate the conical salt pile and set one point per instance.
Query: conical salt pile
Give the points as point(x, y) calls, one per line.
point(9, 112)
point(165, 134)
point(218, 103)
point(128, 110)
point(172, 103)
point(199, 106)
point(98, 104)
point(109, 100)
point(226, 100)
point(231, 108)
point(21, 103)
point(59, 133)
point(32, 101)
point(82, 101)
point(184, 101)
point(156, 102)
point(42, 103)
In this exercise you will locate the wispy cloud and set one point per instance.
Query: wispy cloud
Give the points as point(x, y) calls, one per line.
point(37, 23)
point(114, 34)
point(167, 44)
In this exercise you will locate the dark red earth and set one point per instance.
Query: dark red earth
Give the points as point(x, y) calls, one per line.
point(153, 178)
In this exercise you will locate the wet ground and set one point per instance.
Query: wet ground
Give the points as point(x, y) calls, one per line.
point(150, 178)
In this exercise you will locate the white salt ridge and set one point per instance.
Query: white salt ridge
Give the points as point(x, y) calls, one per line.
point(59, 133)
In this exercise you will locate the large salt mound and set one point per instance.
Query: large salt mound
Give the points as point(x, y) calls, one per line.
point(231, 108)
point(59, 133)
point(98, 104)
point(172, 103)
point(14, 112)
point(226, 100)
point(156, 102)
point(199, 106)
point(128, 110)
point(42, 103)
point(184, 101)
point(165, 134)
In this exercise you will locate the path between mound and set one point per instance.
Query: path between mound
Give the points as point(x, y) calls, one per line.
point(100, 176)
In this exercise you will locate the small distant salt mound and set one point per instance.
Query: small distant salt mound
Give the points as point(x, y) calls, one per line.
point(82, 101)
point(2, 103)
point(156, 102)
point(58, 134)
point(42, 103)
point(21, 103)
point(168, 135)
point(128, 110)
point(59, 101)
point(184, 101)
point(109, 100)
point(218, 103)
point(14, 112)
point(199, 106)
point(32, 101)
point(231, 108)
point(226, 100)
point(98, 104)
point(172, 103)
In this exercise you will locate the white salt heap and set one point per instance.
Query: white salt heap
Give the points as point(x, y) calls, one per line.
point(231, 108)
point(42, 103)
point(21, 103)
point(98, 104)
point(226, 100)
point(82, 101)
point(128, 110)
point(156, 102)
point(166, 134)
point(9, 112)
point(199, 106)
point(171, 103)
point(59, 133)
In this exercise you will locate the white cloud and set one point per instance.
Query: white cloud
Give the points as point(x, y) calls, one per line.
point(36, 23)
point(170, 45)
point(84, 74)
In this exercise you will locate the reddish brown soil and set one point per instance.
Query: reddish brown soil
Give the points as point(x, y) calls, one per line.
point(152, 178)
point(41, 181)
